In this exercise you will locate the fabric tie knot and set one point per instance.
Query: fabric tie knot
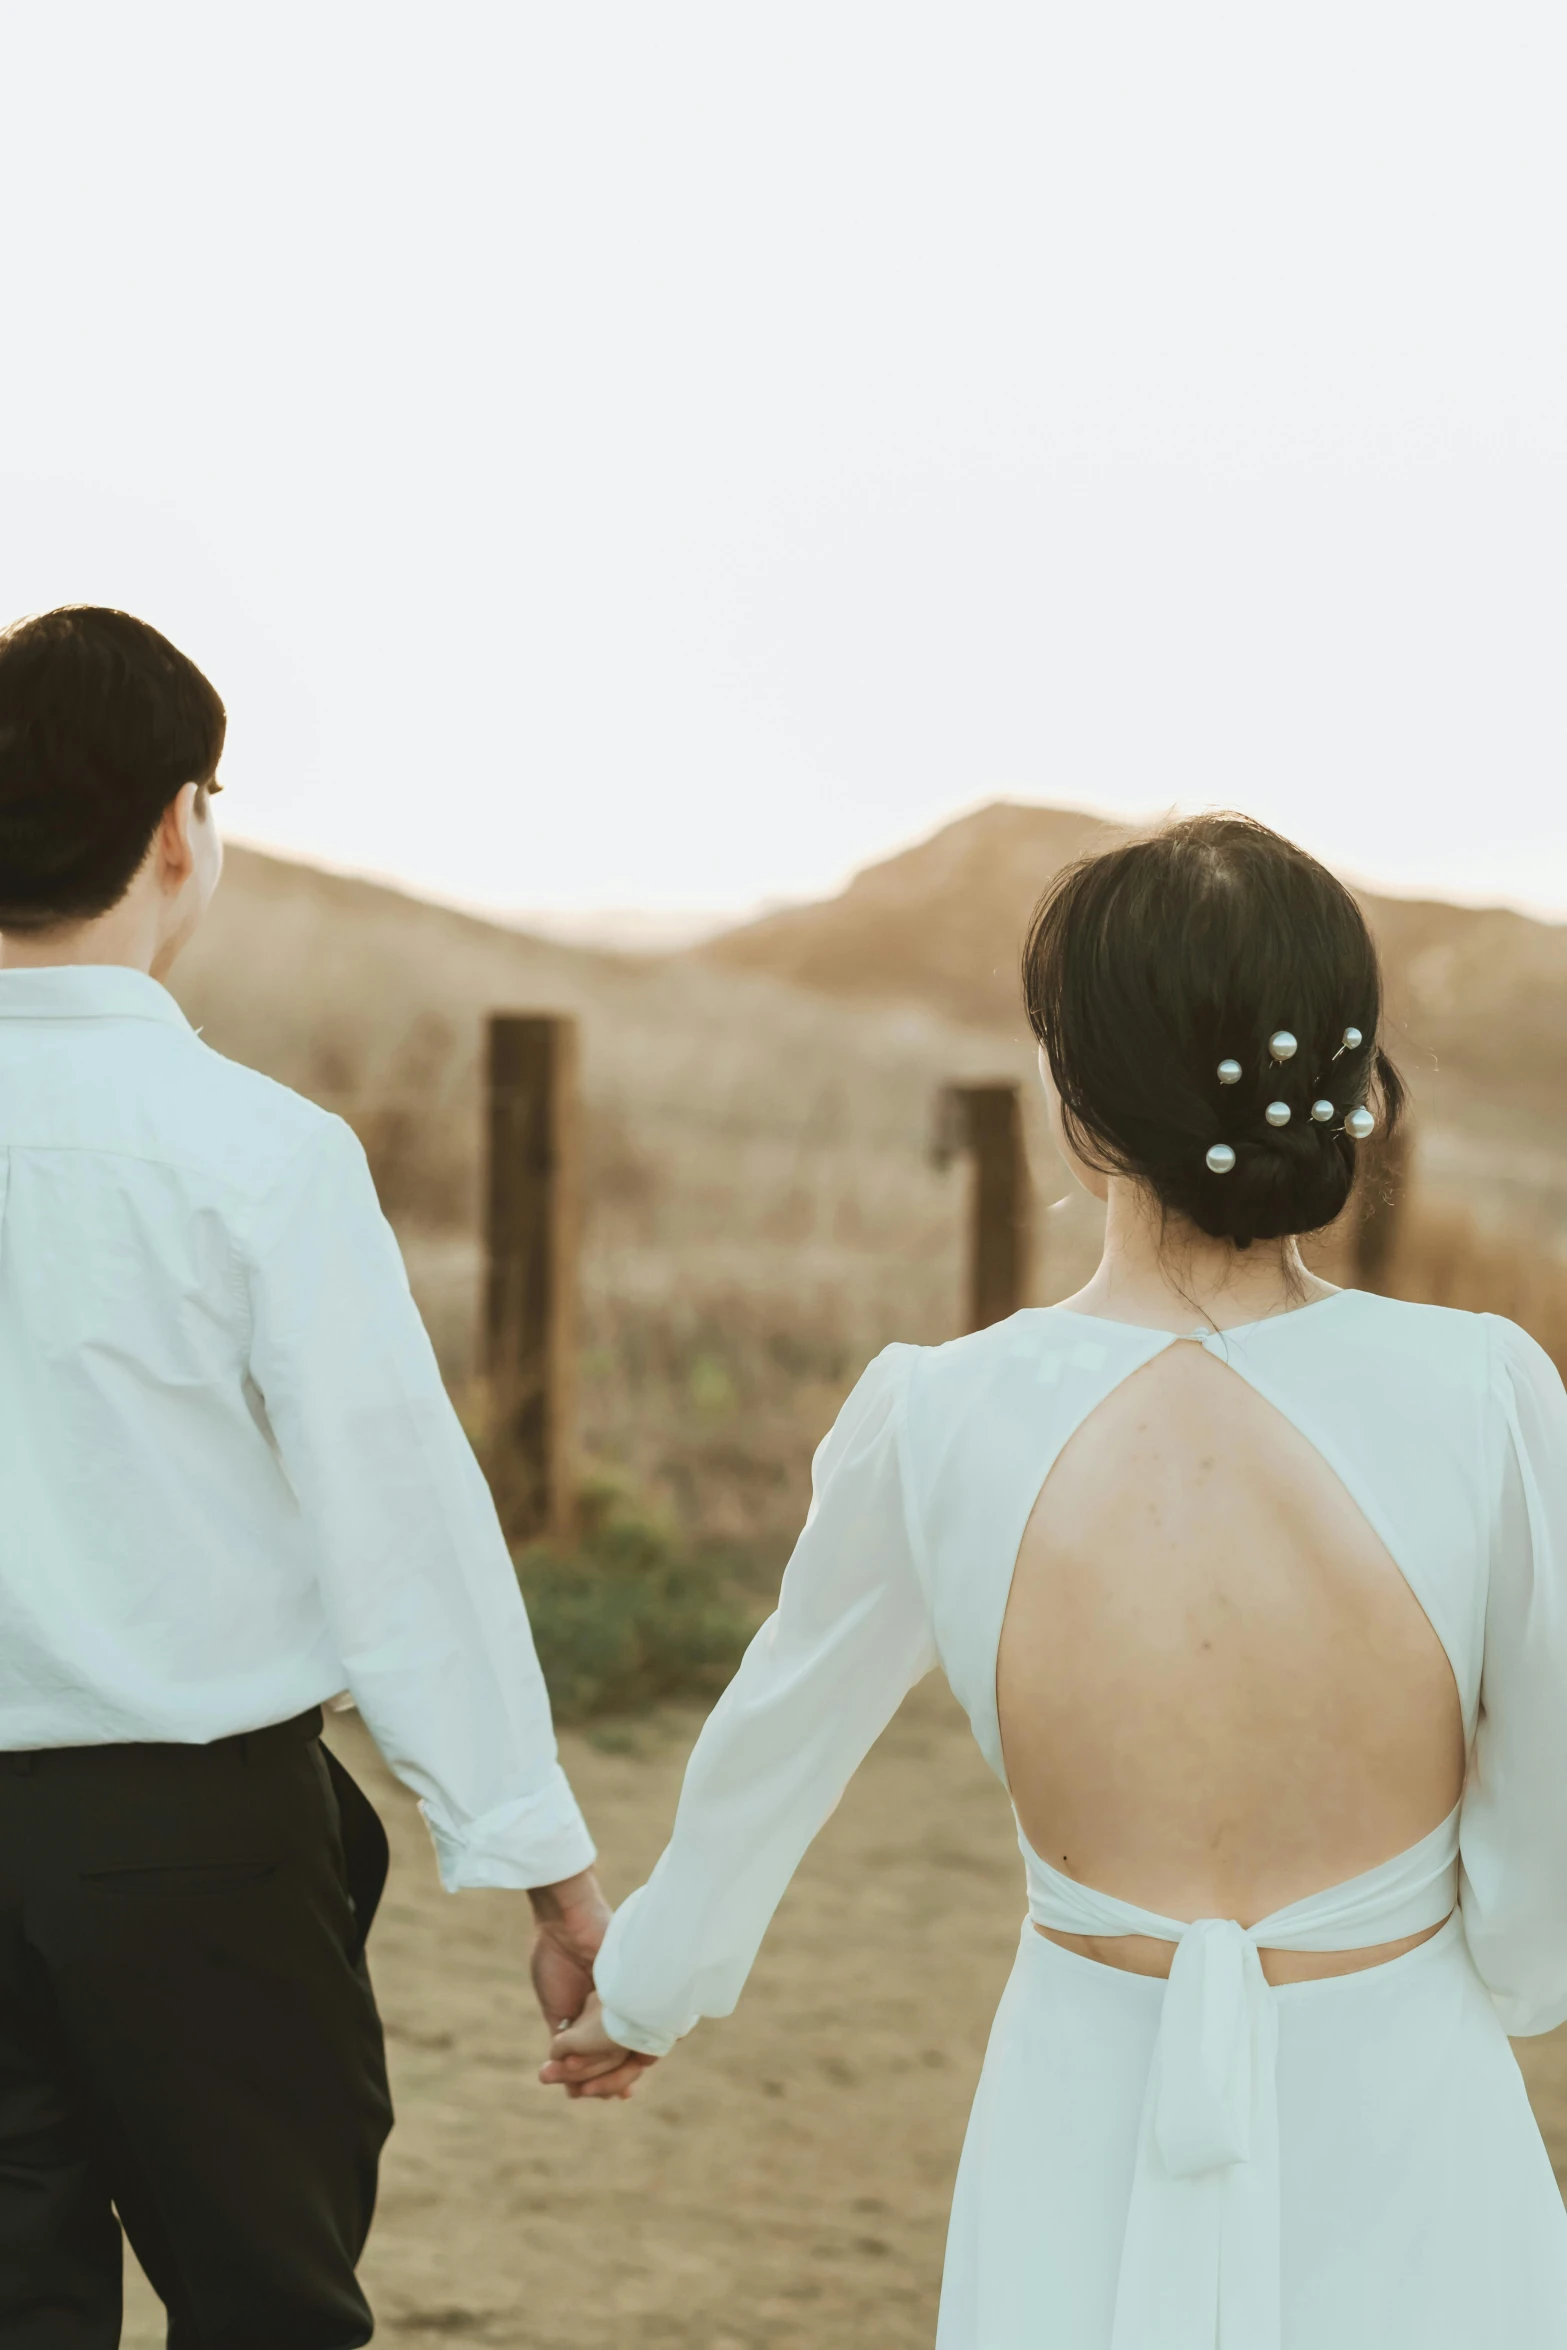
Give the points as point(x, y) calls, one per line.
point(1216, 2016)
point(1200, 2261)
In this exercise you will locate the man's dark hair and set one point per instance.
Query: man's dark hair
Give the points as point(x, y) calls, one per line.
point(102, 723)
point(1149, 965)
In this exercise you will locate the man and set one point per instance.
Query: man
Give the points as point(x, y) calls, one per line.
point(231, 1485)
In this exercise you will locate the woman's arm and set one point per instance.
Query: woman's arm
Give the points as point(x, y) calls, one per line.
point(818, 1684)
point(1514, 1834)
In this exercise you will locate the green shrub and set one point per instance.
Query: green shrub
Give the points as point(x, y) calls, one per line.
point(629, 1616)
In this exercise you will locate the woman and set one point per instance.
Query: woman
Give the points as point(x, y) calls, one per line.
point(1253, 1590)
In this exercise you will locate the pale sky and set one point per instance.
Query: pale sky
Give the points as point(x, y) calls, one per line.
point(664, 455)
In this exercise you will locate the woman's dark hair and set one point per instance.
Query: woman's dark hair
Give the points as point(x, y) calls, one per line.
point(1148, 965)
point(102, 722)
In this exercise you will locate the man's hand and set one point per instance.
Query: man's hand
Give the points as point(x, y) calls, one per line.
point(572, 1919)
point(588, 2063)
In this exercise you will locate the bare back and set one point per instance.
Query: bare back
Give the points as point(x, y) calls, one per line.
point(1217, 1693)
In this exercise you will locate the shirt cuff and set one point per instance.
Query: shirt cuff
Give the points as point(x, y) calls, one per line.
point(645, 2039)
point(538, 1840)
point(637, 2037)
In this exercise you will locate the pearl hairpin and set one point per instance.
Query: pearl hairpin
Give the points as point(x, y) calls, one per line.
point(1283, 1045)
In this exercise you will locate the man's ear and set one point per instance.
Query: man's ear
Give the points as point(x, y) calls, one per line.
point(176, 858)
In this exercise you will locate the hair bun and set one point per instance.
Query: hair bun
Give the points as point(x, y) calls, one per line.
point(1283, 1181)
point(1197, 992)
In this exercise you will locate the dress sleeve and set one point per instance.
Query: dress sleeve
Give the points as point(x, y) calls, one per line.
point(1514, 1831)
point(816, 1687)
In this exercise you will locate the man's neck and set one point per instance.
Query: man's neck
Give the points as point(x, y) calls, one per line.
point(111, 939)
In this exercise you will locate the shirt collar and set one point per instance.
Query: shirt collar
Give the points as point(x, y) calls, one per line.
point(86, 991)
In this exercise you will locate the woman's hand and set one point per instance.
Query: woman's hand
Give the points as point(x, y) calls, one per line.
point(588, 2063)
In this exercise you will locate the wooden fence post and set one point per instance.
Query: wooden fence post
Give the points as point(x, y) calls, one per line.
point(985, 1122)
point(531, 1212)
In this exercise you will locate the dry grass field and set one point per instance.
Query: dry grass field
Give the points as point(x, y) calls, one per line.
point(760, 1209)
point(781, 2183)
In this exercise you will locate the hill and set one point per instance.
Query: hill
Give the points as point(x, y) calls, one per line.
point(939, 924)
point(1477, 999)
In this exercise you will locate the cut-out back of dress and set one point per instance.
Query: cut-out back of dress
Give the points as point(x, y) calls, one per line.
point(1217, 1692)
point(1448, 1435)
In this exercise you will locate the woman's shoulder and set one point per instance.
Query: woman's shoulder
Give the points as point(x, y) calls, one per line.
point(1348, 1337)
point(1034, 1335)
point(1368, 1349)
point(1430, 1347)
point(1441, 1334)
point(1413, 1322)
point(1040, 1356)
point(1065, 1340)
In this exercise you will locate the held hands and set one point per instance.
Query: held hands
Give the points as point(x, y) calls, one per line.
point(572, 1919)
point(588, 2063)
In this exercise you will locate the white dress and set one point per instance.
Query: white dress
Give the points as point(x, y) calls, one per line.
point(1203, 2163)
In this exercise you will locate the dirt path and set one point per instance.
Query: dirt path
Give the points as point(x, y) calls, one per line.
point(783, 2183)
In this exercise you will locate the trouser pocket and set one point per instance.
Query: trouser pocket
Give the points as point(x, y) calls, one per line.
point(366, 1855)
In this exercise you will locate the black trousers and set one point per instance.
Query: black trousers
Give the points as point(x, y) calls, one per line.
point(188, 2039)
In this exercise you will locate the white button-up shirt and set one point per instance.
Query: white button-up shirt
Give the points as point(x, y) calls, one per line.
point(231, 1483)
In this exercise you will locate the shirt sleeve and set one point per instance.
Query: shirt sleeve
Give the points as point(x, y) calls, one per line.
point(1514, 1827)
point(816, 1687)
point(420, 1594)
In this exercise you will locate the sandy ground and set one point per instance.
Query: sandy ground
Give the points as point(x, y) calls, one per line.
point(783, 2181)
